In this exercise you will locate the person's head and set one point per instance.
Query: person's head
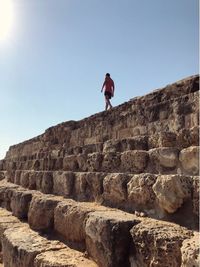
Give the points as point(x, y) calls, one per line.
point(108, 75)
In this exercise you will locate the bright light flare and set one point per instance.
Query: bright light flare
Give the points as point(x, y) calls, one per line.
point(6, 18)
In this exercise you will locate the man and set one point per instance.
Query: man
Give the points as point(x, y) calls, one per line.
point(109, 87)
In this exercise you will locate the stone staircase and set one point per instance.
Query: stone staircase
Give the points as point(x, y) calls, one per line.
point(117, 189)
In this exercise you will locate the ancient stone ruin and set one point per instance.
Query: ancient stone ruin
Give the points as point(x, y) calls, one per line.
point(117, 189)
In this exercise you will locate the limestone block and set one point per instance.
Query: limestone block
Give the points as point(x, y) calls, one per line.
point(195, 195)
point(63, 183)
point(108, 237)
point(140, 192)
point(88, 186)
point(92, 148)
point(111, 146)
point(24, 179)
point(190, 252)
point(38, 178)
point(115, 188)
point(32, 180)
point(82, 162)
point(2, 175)
point(20, 203)
point(94, 162)
point(189, 158)
point(6, 221)
point(172, 191)
point(188, 137)
point(63, 258)
point(70, 163)
point(167, 139)
point(17, 177)
point(163, 158)
point(111, 162)
point(70, 218)
point(6, 192)
point(47, 182)
point(157, 243)
point(134, 161)
point(41, 212)
point(136, 143)
point(21, 245)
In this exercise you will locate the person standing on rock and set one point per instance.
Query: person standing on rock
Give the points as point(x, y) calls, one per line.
point(109, 87)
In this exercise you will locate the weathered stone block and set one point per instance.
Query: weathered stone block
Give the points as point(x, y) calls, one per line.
point(20, 203)
point(163, 158)
point(115, 188)
point(111, 162)
point(134, 161)
point(41, 212)
point(88, 186)
point(47, 182)
point(63, 258)
point(157, 244)
point(21, 245)
point(70, 163)
point(108, 238)
point(94, 162)
point(189, 158)
point(190, 252)
point(195, 195)
point(63, 183)
point(82, 162)
point(70, 218)
point(140, 192)
point(172, 191)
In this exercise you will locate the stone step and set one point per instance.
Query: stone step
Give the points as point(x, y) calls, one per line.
point(170, 197)
point(23, 247)
point(163, 160)
point(144, 115)
point(182, 139)
point(112, 238)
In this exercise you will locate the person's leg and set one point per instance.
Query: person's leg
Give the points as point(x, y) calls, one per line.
point(107, 101)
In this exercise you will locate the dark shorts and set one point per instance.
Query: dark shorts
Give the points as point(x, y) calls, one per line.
point(106, 93)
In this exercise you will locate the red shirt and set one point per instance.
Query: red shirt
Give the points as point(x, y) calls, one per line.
point(109, 85)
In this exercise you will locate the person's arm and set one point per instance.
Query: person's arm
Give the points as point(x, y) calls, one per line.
point(102, 86)
point(113, 89)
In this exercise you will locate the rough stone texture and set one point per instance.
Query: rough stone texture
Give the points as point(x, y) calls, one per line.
point(2, 175)
point(195, 195)
point(163, 158)
point(157, 134)
point(134, 161)
point(157, 244)
point(70, 163)
point(21, 245)
point(20, 203)
point(6, 221)
point(94, 162)
point(140, 192)
point(108, 238)
point(70, 218)
point(115, 188)
point(111, 161)
point(189, 158)
point(6, 191)
point(171, 191)
point(63, 183)
point(190, 252)
point(88, 186)
point(63, 258)
point(41, 212)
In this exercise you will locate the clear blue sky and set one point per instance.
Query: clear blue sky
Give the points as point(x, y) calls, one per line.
point(52, 66)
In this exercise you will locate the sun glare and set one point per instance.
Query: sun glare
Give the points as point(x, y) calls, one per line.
point(6, 18)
